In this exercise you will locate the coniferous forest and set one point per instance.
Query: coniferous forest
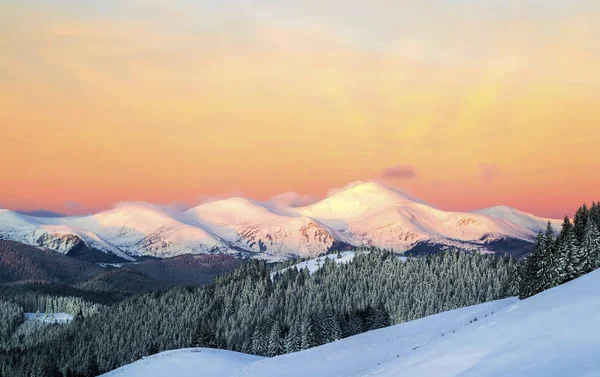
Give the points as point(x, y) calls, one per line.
point(270, 309)
point(557, 260)
point(255, 310)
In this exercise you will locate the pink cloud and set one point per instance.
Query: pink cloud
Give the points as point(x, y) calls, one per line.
point(488, 171)
point(399, 171)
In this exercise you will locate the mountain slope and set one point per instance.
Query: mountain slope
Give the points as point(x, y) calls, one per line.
point(534, 223)
point(552, 334)
point(141, 229)
point(373, 214)
point(19, 262)
point(54, 233)
point(251, 226)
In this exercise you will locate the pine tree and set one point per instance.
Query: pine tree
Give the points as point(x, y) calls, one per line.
point(551, 273)
point(275, 342)
point(536, 267)
point(580, 222)
point(595, 214)
point(590, 246)
point(562, 251)
point(308, 333)
point(293, 340)
point(568, 248)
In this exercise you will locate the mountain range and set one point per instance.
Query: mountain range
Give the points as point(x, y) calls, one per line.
point(366, 214)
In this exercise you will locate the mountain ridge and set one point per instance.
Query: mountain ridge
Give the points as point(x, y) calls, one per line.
point(366, 214)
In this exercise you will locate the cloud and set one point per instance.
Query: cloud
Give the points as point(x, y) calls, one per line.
point(488, 171)
point(399, 171)
point(73, 205)
point(290, 199)
point(203, 199)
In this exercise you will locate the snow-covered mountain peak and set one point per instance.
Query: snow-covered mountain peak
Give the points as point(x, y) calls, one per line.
point(11, 218)
point(234, 211)
point(373, 191)
point(355, 202)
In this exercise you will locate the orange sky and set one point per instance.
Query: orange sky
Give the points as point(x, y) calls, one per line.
point(466, 106)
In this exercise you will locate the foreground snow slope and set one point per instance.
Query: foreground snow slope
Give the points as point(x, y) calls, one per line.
point(556, 333)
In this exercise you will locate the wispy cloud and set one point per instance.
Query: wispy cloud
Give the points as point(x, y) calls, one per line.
point(400, 171)
point(290, 199)
point(488, 171)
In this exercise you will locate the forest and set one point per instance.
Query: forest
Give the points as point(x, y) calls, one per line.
point(557, 260)
point(255, 311)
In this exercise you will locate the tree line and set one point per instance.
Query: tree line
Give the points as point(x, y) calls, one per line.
point(558, 259)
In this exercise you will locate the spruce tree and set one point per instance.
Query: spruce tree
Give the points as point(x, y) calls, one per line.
point(595, 213)
point(590, 246)
point(537, 266)
point(568, 248)
point(308, 335)
point(550, 269)
point(580, 222)
point(563, 251)
point(275, 342)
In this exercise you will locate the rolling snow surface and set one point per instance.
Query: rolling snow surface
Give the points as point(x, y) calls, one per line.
point(555, 333)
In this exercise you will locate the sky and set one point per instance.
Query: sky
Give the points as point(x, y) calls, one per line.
point(464, 103)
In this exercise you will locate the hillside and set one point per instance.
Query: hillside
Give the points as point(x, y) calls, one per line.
point(19, 262)
point(554, 333)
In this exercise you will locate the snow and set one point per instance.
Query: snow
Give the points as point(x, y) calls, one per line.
point(252, 226)
point(365, 214)
point(115, 265)
point(527, 220)
point(49, 317)
point(373, 214)
point(555, 333)
point(189, 362)
point(314, 264)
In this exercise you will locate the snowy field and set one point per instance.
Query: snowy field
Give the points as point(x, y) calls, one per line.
point(49, 317)
point(314, 264)
point(555, 333)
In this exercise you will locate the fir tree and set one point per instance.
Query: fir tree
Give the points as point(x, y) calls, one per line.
point(590, 246)
point(563, 251)
point(580, 222)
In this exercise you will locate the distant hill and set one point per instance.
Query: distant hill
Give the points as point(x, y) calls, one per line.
point(19, 262)
point(41, 213)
